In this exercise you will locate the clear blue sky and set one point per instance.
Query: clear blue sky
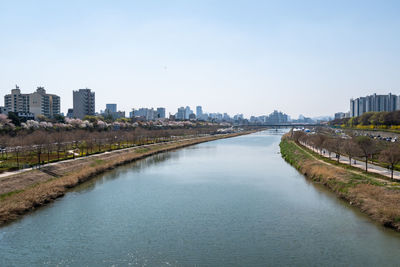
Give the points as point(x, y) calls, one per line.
point(301, 57)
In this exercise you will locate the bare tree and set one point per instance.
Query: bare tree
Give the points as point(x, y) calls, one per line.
point(17, 144)
point(334, 145)
point(37, 141)
point(110, 137)
point(4, 143)
point(351, 149)
point(367, 147)
point(327, 146)
point(98, 139)
point(90, 144)
point(317, 140)
point(81, 137)
point(391, 156)
point(59, 139)
point(48, 145)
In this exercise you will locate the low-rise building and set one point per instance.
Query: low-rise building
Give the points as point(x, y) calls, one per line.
point(145, 113)
point(111, 111)
point(3, 110)
point(340, 115)
point(70, 113)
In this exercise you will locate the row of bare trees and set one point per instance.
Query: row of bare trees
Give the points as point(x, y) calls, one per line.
point(28, 148)
point(353, 147)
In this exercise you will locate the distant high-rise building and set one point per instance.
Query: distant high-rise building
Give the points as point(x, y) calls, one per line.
point(35, 104)
point(84, 103)
point(111, 107)
point(181, 114)
point(277, 117)
point(199, 111)
point(238, 117)
point(226, 117)
point(188, 111)
point(374, 103)
point(161, 113)
point(215, 116)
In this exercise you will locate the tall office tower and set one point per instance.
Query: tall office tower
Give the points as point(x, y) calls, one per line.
point(199, 111)
point(161, 113)
point(181, 113)
point(188, 111)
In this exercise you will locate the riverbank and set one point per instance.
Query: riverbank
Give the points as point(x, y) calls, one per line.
point(375, 196)
point(22, 193)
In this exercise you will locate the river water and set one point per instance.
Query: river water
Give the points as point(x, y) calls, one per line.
point(231, 202)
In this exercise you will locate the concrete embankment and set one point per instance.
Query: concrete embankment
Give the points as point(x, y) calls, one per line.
point(376, 196)
point(26, 191)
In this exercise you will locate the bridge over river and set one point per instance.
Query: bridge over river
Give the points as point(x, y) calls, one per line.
point(284, 125)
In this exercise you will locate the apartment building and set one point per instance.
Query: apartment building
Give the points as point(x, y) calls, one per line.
point(83, 103)
point(34, 104)
point(374, 103)
point(41, 103)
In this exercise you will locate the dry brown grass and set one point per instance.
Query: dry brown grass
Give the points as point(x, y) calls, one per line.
point(380, 203)
point(377, 198)
point(15, 205)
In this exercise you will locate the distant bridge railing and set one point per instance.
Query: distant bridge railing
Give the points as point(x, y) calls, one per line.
point(285, 125)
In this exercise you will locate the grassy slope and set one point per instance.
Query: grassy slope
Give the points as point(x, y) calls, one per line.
point(374, 195)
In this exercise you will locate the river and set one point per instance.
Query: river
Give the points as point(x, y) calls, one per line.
point(231, 202)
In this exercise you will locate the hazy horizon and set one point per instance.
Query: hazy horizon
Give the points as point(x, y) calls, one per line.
point(250, 57)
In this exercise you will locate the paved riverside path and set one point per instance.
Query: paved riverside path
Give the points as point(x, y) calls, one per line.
point(359, 163)
point(9, 173)
point(23, 180)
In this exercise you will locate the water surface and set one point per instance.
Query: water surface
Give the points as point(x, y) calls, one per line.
point(231, 202)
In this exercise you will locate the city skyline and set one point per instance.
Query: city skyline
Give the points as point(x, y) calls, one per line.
point(39, 103)
point(84, 104)
point(254, 57)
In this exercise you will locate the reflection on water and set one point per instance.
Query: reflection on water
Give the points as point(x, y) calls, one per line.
point(122, 170)
point(231, 202)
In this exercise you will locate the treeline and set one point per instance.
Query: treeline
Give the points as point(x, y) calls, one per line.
point(30, 148)
point(373, 119)
point(386, 153)
point(11, 124)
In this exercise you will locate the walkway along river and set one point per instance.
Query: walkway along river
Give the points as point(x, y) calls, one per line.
point(222, 203)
